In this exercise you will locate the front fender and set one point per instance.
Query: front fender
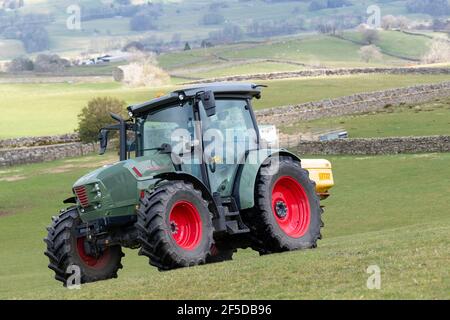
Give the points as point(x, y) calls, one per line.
point(244, 189)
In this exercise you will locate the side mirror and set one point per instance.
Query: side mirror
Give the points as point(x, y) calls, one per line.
point(209, 103)
point(103, 138)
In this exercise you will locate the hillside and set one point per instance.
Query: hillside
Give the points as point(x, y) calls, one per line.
point(183, 21)
point(374, 217)
point(294, 53)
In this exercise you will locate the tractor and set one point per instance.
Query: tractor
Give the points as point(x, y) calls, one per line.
point(195, 182)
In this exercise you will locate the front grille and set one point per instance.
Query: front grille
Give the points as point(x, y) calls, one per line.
point(82, 196)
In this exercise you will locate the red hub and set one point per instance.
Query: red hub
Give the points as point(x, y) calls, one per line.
point(186, 225)
point(290, 206)
point(90, 261)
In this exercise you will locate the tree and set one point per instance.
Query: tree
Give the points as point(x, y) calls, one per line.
point(369, 53)
point(212, 18)
point(389, 22)
point(20, 64)
point(143, 71)
point(50, 63)
point(133, 46)
point(439, 24)
point(392, 22)
point(35, 38)
point(143, 21)
point(370, 36)
point(206, 44)
point(187, 46)
point(95, 116)
point(439, 52)
point(229, 33)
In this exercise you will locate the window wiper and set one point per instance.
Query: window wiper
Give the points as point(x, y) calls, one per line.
point(164, 148)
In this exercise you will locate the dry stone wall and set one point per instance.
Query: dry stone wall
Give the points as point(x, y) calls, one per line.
point(16, 156)
point(376, 146)
point(326, 72)
point(358, 103)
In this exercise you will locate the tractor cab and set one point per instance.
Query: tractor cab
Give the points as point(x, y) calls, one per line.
point(205, 131)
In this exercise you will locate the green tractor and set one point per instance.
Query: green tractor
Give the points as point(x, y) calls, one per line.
point(195, 182)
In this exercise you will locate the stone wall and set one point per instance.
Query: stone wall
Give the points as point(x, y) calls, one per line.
point(375, 146)
point(327, 72)
point(38, 141)
point(16, 156)
point(358, 103)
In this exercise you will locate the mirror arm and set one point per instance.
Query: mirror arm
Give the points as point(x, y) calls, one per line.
point(122, 135)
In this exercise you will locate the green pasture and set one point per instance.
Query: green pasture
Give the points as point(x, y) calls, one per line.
point(387, 211)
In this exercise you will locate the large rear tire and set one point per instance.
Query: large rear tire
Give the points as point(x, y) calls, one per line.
point(287, 212)
point(175, 226)
point(65, 249)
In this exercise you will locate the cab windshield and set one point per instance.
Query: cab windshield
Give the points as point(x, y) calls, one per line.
point(158, 127)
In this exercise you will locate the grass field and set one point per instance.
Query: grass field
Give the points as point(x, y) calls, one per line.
point(398, 43)
point(245, 69)
point(312, 50)
point(432, 118)
point(317, 50)
point(384, 211)
point(47, 109)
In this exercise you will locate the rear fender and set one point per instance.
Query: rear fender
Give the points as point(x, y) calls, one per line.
point(244, 187)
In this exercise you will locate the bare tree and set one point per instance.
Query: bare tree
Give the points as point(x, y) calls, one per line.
point(439, 52)
point(142, 71)
point(370, 36)
point(370, 53)
point(389, 22)
point(392, 22)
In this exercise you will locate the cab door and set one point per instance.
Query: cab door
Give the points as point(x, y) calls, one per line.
point(227, 136)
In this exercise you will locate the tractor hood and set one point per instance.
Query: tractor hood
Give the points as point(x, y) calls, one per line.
point(114, 190)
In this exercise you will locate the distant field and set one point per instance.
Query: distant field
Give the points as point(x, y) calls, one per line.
point(376, 216)
point(310, 50)
point(251, 68)
point(295, 91)
point(318, 50)
point(47, 109)
point(414, 120)
point(398, 43)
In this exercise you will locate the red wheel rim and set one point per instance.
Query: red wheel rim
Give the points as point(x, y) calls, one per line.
point(185, 225)
point(290, 206)
point(90, 261)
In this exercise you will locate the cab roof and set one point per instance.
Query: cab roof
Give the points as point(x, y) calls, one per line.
point(219, 88)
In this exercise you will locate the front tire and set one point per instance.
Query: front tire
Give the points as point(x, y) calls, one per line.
point(287, 213)
point(65, 249)
point(175, 226)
